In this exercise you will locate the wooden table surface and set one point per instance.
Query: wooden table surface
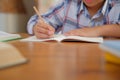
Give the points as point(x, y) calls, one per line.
point(61, 61)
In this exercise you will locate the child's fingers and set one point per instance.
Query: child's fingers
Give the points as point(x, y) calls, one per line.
point(42, 36)
point(45, 25)
point(50, 28)
point(46, 29)
point(43, 33)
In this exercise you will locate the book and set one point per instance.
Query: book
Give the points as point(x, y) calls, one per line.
point(112, 50)
point(4, 36)
point(61, 37)
point(10, 56)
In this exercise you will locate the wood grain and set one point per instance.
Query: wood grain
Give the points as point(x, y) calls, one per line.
point(61, 61)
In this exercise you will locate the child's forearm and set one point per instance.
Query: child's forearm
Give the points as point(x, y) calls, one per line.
point(112, 30)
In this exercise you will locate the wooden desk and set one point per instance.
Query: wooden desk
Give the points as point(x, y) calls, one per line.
point(61, 61)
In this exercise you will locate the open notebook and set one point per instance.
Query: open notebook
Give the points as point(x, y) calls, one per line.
point(60, 38)
point(4, 36)
point(10, 56)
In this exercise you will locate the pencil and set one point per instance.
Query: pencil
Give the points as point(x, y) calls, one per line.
point(38, 13)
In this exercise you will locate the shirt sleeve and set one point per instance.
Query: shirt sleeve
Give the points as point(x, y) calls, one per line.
point(119, 19)
point(31, 23)
point(114, 15)
point(54, 17)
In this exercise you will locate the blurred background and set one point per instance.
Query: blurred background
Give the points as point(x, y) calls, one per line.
point(14, 14)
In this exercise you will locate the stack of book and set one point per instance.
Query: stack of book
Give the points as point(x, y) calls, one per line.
point(112, 50)
point(8, 36)
point(10, 56)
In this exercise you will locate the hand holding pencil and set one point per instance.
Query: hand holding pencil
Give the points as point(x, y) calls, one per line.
point(38, 13)
point(42, 29)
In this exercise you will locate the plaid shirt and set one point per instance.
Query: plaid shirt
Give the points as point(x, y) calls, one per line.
point(73, 14)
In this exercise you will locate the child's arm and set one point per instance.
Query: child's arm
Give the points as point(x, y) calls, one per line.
point(112, 30)
point(41, 28)
point(50, 18)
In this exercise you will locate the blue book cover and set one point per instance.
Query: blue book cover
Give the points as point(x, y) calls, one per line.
point(113, 46)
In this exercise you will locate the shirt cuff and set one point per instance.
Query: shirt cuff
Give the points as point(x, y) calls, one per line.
point(30, 27)
point(31, 24)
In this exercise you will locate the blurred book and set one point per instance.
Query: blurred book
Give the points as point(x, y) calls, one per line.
point(4, 36)
point(10, 56)
point(112, 50)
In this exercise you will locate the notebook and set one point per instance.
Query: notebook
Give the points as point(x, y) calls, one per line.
point(10, 56)
point(112, 50)
point(4, 36)
point(60, 38)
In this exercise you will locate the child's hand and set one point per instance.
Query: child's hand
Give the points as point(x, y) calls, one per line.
point(43, 30)
point(86, 32)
